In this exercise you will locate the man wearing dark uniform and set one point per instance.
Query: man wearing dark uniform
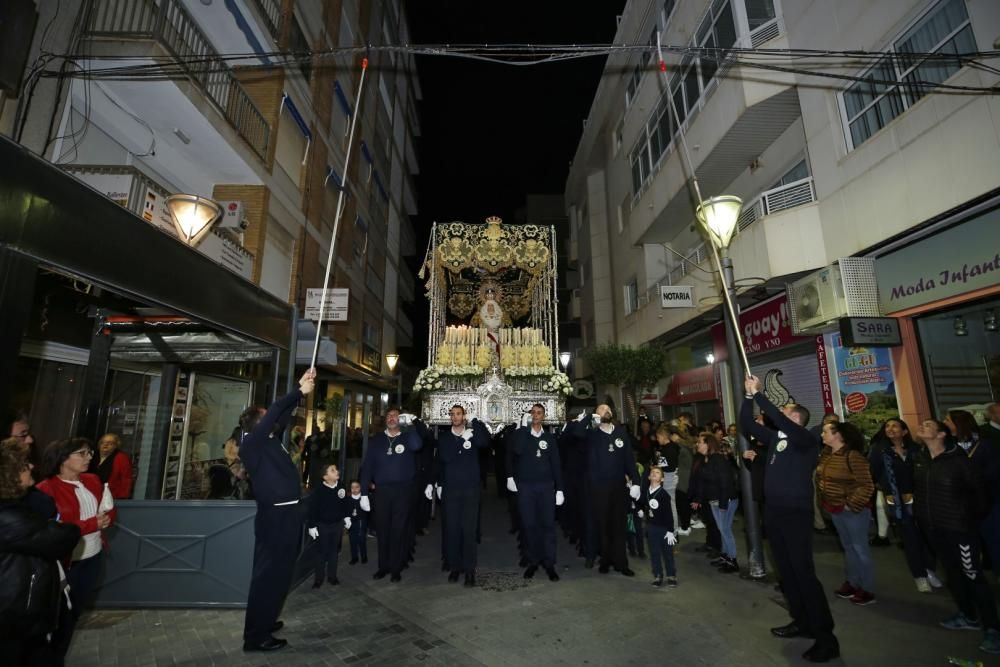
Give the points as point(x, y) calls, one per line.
point(793, 453)
point(278, 524)
point(533, 460)
point(609, 461)
point(390, 463)
point(458, 454)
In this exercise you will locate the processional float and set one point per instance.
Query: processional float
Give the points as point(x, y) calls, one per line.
point(493, 330)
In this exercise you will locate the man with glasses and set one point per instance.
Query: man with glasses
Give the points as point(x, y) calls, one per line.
point(19, 428)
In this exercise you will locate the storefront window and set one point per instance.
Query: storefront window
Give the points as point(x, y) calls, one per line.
point(961, 351)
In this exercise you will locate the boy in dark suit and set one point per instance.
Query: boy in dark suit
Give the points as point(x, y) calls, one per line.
point(358, 531)
point(329, 514)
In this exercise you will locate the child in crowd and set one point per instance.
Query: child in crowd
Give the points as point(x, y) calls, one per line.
point(358, 532)
point(329, 514)
point(655, 503)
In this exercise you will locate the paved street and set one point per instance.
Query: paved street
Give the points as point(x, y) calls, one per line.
point(586, 618)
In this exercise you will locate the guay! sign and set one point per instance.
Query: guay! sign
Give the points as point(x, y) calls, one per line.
point(958, 260)
point(764, 328)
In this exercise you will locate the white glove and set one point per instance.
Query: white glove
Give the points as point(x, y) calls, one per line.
point(511, 486)
point(313, 533)
point(560, 498)
point(581, 416)
point(634, 492)
point(429, 492)
point(525, 419)
point(365, 505)
point(439, 492)
point(406, 418)
point(107, 500)
point(347, 522)
point(640, 514)
point(671, 539)
point(596, 419)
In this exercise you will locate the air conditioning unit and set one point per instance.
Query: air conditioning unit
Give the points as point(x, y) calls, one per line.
point(847, 288)
point(817, 300)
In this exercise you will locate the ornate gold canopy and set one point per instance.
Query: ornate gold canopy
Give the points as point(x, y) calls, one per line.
point(512, 256)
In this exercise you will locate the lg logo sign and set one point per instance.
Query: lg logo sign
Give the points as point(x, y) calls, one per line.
point(676, 296)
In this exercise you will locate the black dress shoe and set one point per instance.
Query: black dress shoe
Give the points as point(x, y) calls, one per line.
point(551, 571)
point(269, 644)
point(317, 584)
point(790, 630)
point(822, 652)
point(470, 580)
point(453, 577)
point(444, 566)
point(530, 572)
point(396, 578)
point(277, 626)
point(353, 561)
point(380, 574)
point(627, 572)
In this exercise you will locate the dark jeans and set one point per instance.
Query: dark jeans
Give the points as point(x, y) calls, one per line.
point(659, 551)
point(790, 531)
point(959, 554)
point(919, 557)
point(608, 503)
point(461, 507)
point(713, 538)
point(82, 578)
point(536, 503)
point(393, 525)
point(330, 540)
point(277, 539)
point(358, 535)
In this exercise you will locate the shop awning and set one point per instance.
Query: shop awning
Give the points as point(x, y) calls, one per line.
point(697, 384)
point(187, 347)
point(60, 222)
point(327, 355)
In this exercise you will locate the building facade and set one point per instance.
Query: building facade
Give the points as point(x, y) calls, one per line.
point(249, 103)
point(871, 162)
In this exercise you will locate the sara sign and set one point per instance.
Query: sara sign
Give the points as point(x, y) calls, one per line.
point(955, 261)
point(337, 300)
point(874, 331)
point(676, 296)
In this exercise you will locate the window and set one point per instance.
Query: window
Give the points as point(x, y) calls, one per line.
point(759, 12)
point(796, 173)
point(631, 297)
point(299, 45)
point(891, 86)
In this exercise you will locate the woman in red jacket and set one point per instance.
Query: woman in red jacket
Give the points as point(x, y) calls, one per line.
point(111, 464)
point(78, 497)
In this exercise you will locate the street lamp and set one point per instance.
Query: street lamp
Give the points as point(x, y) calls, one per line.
point(564, 358)
point(193, 216)
point(718, 217)
point(391, 360)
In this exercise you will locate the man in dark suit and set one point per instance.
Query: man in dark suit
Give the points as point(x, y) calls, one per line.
point(278, 524)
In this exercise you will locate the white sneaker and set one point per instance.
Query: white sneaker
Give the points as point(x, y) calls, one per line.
point(697, 525)
point(922, 585)
point(933, 580)
point(683, 531)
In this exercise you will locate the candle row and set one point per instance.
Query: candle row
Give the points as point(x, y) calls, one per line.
point(477, 335)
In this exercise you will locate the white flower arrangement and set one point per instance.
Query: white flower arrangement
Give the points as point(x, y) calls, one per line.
point(432, 378)
point(559, 383)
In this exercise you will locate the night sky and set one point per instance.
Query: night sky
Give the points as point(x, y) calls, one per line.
point(494, 133)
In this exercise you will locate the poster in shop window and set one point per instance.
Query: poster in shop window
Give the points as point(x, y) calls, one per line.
point(867, 391)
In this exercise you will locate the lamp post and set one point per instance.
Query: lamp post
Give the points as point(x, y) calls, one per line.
point(391, 360)
point(718, 217)
point(193, 216)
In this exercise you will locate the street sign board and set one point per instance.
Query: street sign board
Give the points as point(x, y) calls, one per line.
point(337, 299)
point(871, 331)
point(676, 296)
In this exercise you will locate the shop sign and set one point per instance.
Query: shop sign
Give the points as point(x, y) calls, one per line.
point(697, 384)
point(765, 327)
point(955, 261)
point(874, 331)
point(824, 374)
point(676, 296)
point(337, 300)
point(865, 383)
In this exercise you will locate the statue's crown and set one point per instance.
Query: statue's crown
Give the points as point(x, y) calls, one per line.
point(493, 220)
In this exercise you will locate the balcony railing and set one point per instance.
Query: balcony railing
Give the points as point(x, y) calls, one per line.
point(271, 11)
point(781, 198)
point(167, 22)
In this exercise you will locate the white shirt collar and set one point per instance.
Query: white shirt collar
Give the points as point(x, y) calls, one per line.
point(355, 496)
point(609, 430)
point(329, 486)
point(390, 435)
point(654, 489)
point(537, 433)
point(461, 430)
